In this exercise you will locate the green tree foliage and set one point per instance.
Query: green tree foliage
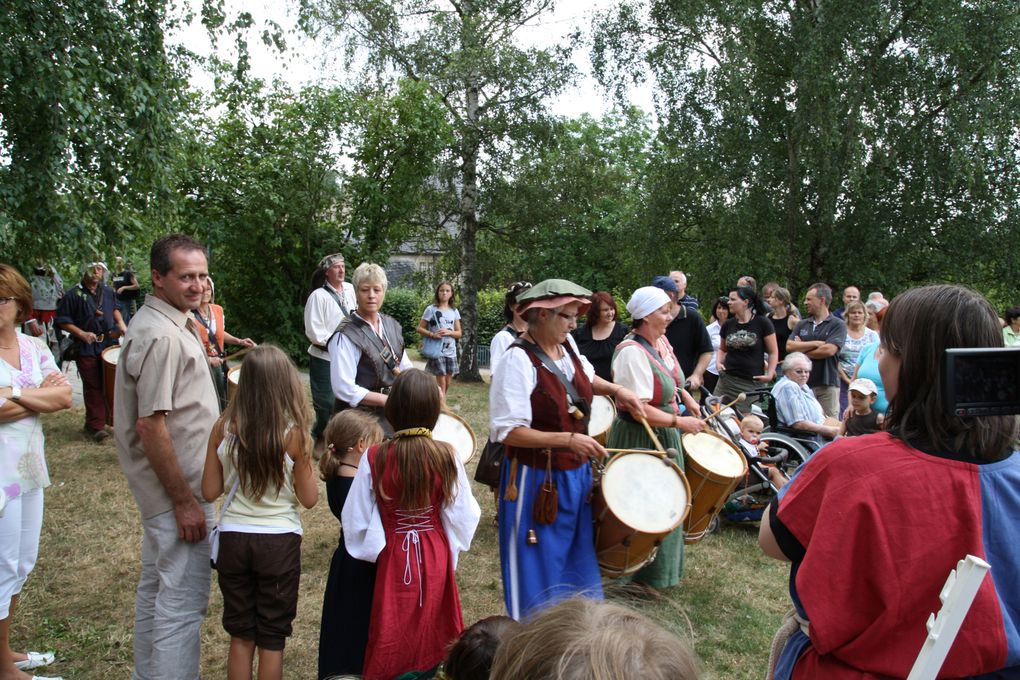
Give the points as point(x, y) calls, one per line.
point(89, 96)
point(267, 194)
point(464, 52)
point(490, 314)
point(574, 195)
point(865, 142)
point(263, 194)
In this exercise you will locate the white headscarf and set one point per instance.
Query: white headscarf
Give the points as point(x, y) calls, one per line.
point(646, 300)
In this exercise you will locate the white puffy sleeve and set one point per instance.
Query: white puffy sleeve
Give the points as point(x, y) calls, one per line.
point(631, 370)
point(405, 362)
point(510, 395)
point(364, 535)
point(498, 346)
point(460, 518)
point(344, 356)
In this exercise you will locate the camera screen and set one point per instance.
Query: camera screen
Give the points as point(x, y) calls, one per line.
point(984, 381)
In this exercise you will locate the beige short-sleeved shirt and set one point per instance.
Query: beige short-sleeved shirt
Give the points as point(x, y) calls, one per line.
point(163, 367)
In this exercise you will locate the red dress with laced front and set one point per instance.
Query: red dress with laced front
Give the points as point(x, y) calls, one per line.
point(416, 609)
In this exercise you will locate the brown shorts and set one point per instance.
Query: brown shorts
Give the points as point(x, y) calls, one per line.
point(259, 576)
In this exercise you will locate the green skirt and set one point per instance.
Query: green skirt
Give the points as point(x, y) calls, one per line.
point(668, 566)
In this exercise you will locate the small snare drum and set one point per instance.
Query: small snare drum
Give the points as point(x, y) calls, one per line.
point(233, 380)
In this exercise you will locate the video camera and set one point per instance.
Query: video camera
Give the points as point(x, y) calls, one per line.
point(982, 381)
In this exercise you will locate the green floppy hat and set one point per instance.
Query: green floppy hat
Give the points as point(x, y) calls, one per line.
point(553, 293)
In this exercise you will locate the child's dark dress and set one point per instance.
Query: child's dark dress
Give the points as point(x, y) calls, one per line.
point(347, 604)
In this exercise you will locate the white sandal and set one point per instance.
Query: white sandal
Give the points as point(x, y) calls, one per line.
point(36, 660)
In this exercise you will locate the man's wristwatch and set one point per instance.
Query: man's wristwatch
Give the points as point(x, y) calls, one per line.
point(15, 393)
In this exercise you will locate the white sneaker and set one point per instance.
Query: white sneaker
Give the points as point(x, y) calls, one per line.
point(36, 660)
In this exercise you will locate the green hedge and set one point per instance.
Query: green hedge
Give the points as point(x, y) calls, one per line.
point(406, 306)
point(490, 314)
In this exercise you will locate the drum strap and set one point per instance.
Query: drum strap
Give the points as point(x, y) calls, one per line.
point(209, 331)
point(655, 355)
point(337, 299)
point(575, 398)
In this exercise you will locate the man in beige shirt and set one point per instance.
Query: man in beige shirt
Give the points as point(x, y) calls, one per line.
point(165, 407)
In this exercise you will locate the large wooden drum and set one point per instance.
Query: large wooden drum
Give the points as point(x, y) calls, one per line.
point(714, 467)
point(641, 498)
point(110, 356)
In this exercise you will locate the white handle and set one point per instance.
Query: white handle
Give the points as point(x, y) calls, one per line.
point(957, 596)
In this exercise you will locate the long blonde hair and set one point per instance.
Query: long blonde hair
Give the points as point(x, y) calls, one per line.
point(269, 403)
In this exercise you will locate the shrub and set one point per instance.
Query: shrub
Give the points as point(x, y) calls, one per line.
point(490, 314)
point(406, 306)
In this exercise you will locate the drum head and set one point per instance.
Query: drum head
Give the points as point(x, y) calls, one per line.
point(714, 454)
point(645, 492)
point(111, 355)
point(234, 375)
point(455, 431)
point(603, 412)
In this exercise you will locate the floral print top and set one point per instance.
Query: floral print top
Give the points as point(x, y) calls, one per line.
point(22, 463)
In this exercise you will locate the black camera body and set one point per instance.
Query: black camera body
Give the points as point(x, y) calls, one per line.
point(982, 381)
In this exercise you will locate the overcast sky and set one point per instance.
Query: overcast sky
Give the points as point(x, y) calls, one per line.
point(307, 62)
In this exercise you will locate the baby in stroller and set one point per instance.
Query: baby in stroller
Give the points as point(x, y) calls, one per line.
point(756, 451)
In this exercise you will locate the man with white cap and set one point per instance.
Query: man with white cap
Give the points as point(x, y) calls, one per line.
point(539, 406)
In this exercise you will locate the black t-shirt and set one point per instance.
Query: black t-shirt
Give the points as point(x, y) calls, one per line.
point(600, 352)
point(689, 337)
point(783, 332)
point(125, 278)
point(744, 344)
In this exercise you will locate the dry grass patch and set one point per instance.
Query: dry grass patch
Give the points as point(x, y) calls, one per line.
point(80, 598)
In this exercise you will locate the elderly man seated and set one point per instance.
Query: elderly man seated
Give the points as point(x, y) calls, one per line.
point(796, 405)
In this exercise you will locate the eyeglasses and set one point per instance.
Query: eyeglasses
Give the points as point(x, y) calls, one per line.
point(571, 318)
point(5, 300)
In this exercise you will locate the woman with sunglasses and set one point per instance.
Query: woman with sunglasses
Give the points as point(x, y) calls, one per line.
point(541, 392)
point(30, 384)
point(797, 408)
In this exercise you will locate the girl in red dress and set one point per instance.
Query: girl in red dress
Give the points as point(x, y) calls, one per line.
point(411, 511)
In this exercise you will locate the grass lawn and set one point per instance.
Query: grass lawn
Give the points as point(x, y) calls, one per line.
point(80, 598)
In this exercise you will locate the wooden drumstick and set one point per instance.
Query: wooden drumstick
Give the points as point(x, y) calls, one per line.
point(671, 452)
point(740, 397)
point(238, 353)
point(651, 434)
point(632, 451)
